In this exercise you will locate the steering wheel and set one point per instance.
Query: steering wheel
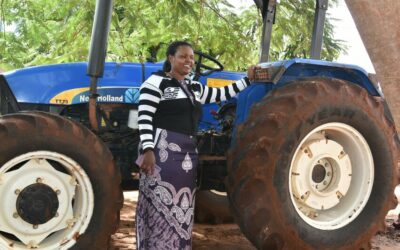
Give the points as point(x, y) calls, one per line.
point(202, 69)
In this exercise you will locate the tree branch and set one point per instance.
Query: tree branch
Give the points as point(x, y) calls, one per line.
point(216, 11)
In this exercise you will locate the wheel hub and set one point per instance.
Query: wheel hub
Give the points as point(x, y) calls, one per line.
point(318, 173)
point(324, 174)
point(37, 204)
point(331, 176)
point(41, 206)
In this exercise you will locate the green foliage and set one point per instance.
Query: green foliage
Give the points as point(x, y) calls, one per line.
point(292, 32)
point(48, 31)
point(142, 30)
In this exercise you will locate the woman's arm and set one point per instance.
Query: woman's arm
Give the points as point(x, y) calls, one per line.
point(149, 99)
point(210, 94)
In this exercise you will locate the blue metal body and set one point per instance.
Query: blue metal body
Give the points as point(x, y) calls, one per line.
point(293, 69)
point(68, 84)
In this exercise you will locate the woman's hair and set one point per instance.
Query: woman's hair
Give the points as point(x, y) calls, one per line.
point(171, 50)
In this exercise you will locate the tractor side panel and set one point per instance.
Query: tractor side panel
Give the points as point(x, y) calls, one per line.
point(68, 83)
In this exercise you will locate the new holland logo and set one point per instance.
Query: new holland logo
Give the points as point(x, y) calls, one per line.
point(171, 93)
point(104, 98)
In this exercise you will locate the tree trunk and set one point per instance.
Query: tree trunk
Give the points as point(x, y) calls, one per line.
point(378, 25)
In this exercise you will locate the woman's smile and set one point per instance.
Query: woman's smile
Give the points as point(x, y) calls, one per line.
point(182, 62)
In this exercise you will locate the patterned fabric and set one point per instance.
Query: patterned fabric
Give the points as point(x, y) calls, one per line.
point(165, 211)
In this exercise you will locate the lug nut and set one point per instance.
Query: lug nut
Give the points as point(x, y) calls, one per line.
point(15, 215)
point(58, 192)
point(35, 226)
point(17, 191)
point(39, 180)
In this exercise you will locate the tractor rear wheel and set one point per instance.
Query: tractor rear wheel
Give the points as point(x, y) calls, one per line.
point(59, 187)
point(314, 167)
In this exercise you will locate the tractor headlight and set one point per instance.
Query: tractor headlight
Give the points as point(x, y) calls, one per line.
point(269, 72)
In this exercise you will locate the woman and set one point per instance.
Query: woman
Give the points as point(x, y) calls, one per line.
point(169, 111)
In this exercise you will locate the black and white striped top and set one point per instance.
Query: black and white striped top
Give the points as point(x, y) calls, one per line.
point(163, 103)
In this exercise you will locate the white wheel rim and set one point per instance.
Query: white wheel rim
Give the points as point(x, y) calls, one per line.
point(220, 193)
point(331, 176)
point(74, 194)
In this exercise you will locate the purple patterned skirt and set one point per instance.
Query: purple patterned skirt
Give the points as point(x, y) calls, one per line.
point(165, 210)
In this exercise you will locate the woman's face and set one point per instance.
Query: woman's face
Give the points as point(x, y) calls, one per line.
point(183, 60)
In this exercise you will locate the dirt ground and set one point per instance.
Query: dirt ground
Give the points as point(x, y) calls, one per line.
point(226, 236)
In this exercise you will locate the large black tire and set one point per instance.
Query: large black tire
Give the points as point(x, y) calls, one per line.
point(37, 136)
point(260, 182)
point(212, 208)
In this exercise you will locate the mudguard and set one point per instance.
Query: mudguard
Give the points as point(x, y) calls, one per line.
point(290, 70)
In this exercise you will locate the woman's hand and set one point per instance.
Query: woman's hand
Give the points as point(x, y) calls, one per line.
point(251, 72)
point(149, 162)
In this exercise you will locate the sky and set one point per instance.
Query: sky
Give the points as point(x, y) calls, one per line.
point(345, 30)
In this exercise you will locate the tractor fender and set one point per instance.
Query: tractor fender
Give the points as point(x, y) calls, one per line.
point(297, 69)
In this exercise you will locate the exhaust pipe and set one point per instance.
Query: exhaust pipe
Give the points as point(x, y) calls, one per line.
point(97, 54)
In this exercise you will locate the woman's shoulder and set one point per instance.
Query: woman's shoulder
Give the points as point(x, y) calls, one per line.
point(156, 79)
point(159, 73)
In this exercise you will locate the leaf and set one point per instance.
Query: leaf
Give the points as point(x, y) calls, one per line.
point(54, 31)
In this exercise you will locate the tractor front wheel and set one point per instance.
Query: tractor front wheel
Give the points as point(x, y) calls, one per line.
point(59, 188)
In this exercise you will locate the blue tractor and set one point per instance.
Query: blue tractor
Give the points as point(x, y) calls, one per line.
point(307, 154)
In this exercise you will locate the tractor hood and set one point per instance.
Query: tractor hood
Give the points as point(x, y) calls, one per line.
point(69, 84)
